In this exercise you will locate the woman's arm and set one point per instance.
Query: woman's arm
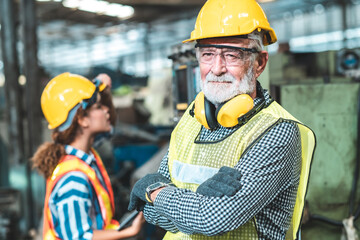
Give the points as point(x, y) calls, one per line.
point(131, 231)
point(106, 96)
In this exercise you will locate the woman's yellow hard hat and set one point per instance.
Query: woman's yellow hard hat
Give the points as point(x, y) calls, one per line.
point(62, 94)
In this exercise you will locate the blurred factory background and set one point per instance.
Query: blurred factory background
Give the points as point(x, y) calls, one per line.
point(314, 72)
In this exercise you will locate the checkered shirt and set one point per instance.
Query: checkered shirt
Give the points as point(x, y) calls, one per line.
point(270, 177)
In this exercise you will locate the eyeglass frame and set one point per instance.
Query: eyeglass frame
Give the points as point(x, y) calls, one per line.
point(87, 103)
point(251, 50)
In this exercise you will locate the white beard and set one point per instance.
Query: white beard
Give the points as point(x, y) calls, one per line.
point(219, 93)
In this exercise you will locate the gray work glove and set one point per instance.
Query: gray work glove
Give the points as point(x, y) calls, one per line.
point(138, 193)
point(225, 182)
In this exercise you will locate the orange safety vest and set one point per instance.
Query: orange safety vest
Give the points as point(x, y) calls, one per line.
point(70, 163)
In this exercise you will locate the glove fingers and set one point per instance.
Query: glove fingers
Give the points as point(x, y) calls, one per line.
point(137, 197)
point(231, 171)
point(231, 181)
point(226, 179)
point(136, 204)
point(140, 206)
point(133, 202)
point(228, 190)
point(224, 184)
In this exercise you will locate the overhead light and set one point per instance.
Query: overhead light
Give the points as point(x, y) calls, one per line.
point(101, 7)
point(22, 80)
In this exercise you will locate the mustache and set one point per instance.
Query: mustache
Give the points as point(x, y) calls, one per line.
point(210, 77)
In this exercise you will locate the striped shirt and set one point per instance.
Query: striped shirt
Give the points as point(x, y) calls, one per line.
point(270, 170)
point(73, 202)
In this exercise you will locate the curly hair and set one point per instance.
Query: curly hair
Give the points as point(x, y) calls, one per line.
point(48, 155)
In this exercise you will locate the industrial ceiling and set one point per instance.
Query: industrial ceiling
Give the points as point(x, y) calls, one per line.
point(67, 34)
point(148, 11)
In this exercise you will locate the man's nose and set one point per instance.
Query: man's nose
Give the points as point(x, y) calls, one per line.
point(219, 66)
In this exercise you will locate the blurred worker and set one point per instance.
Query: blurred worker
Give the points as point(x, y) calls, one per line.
point(236, 157)
point(79, 201)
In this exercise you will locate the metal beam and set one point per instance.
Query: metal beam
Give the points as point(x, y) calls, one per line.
point(12, 87)
point(32, 96)
point(31, 72)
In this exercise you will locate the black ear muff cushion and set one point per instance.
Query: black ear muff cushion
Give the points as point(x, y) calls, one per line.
point(210, 114)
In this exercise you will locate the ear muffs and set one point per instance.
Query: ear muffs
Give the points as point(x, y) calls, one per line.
point(204, 112)
point(227, 114)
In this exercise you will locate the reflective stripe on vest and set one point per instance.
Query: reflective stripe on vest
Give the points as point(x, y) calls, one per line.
point(70, 163)
point(192, 163)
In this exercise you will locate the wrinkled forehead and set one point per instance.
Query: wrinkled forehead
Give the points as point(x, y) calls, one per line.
point(231, 41)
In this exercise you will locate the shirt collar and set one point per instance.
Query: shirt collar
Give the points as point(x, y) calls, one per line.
point(88, 158)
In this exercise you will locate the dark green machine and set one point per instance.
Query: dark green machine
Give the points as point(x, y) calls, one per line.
point(321, 90)
point(331, 110)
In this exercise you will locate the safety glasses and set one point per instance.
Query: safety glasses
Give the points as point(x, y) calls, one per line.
point(87, 103)
point(231, 55)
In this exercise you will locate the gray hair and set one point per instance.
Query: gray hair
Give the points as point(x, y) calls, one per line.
point(258, 42)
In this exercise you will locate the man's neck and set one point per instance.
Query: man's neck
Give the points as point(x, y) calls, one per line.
point(253, 94)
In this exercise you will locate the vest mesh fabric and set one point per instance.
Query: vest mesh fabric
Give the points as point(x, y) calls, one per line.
point(183, 148)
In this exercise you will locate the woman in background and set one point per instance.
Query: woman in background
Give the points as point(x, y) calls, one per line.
point(79, 202)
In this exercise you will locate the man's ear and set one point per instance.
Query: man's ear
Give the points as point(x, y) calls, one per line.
point(260, 63)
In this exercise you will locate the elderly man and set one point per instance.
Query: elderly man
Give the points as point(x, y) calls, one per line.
point(238, 163)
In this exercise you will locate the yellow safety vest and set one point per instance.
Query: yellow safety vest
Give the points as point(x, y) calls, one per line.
point(184, 151)
point(70, 163)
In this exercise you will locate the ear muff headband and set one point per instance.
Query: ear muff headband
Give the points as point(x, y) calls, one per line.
point(243, 119)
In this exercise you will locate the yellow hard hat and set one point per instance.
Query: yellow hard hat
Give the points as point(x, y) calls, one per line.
point(62, 94)
point(225, 18)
